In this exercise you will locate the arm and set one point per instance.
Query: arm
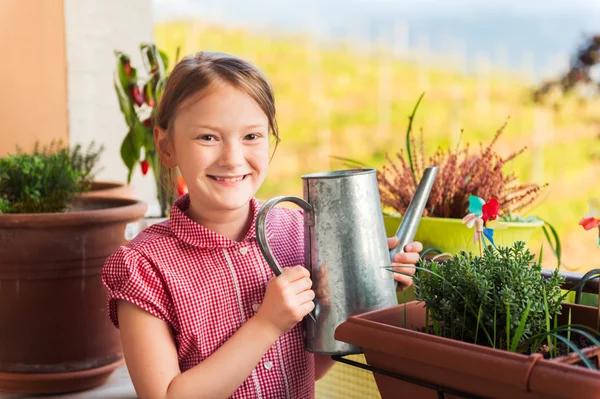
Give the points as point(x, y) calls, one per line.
point(151, 354)
point(323, 364)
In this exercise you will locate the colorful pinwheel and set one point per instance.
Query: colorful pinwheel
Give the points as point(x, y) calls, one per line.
point(592, 219)
point(483, 215)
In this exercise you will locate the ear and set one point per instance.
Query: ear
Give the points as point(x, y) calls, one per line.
point(164, 147)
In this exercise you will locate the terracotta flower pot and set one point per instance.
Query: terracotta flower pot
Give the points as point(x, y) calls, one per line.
point(450, 235)
point(467, 368)
point(55, 335)
point(110, 189)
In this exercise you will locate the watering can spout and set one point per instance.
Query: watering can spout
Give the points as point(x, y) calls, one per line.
point(411, 218)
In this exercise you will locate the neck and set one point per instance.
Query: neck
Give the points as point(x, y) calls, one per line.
point(233, 224)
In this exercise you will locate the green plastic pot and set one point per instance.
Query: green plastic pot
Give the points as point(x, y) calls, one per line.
point(451, 236)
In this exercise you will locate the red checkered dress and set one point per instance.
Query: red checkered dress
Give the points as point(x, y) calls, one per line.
point(205, 286)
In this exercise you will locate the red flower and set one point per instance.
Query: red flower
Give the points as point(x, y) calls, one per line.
point(148, 122)
point(138, 99)
point(145, 165)
point(490, 210)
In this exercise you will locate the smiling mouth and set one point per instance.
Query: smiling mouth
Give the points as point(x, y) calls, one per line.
point(228, 179)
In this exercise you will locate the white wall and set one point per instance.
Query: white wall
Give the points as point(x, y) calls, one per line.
point(94, 29)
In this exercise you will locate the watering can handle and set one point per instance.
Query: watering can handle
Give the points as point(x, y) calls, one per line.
point(261, 230)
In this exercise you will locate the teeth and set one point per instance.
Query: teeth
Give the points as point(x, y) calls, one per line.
point(229, 179)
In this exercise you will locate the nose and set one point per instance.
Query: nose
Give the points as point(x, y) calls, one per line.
point(232, 155)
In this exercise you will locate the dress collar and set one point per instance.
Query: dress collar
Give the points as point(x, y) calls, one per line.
point(196, 234)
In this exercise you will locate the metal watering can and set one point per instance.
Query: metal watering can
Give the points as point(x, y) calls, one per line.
point(345, 248)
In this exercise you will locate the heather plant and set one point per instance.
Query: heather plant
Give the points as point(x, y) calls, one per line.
point(461, 174)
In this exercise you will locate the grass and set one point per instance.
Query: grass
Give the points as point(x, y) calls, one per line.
point(328, 103)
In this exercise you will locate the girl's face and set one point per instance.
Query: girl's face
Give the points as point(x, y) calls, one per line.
point(221, 146)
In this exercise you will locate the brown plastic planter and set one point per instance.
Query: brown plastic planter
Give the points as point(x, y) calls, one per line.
point(460, 366)
point(55, 335)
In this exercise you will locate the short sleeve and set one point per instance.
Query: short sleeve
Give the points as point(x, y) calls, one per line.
point(129, 276)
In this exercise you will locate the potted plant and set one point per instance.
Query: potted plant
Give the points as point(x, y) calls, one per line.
point(55, 336)
point(481, 326)
point(84, 162)
point(462, 175)
point(138, 98)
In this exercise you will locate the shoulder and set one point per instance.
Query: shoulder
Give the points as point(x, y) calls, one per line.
point(153, 244)
point(150, 237)
point(131, 274)
point(140, 257)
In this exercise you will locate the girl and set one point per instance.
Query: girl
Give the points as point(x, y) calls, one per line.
point(199, 311)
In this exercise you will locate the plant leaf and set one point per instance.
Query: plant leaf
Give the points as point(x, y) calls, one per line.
point(408, 132)
point(519, 333)
point(575, 349)
point(569, 332)
point(130, 153)
point(349, 161)
point(557, 248)
point(547, 315)
point(126, 105)
point(507, 326)
point(478, 321)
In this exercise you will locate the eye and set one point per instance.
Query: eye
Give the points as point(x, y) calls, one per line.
point(252, 136)
point(206, 137)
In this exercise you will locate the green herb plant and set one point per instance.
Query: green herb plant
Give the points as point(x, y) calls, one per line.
point(500, 300)
point(46, 179)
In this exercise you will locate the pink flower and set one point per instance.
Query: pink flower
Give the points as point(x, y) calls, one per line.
point(589, 223)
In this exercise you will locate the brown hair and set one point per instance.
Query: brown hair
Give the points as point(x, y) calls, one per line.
point(203, 71)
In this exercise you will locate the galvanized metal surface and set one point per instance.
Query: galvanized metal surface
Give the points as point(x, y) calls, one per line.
point(411, 218)
point(345, 249)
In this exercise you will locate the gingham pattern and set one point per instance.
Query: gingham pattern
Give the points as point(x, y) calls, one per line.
point(205, 286)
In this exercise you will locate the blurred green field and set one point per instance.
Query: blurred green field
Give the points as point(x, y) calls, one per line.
point(336, 100)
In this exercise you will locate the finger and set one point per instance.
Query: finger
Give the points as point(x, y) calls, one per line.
point(404, 269)
point(403, 281)
point(305, 296)
point(415, 246)
point(293, 273)
point(301, 285)
point(407, 258)
point(307, 307)
point(392, 242)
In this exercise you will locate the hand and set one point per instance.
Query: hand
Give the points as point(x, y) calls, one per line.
point(288, 299)
point(404, 262)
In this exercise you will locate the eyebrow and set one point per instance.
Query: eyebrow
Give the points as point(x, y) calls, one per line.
point(216, 129)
